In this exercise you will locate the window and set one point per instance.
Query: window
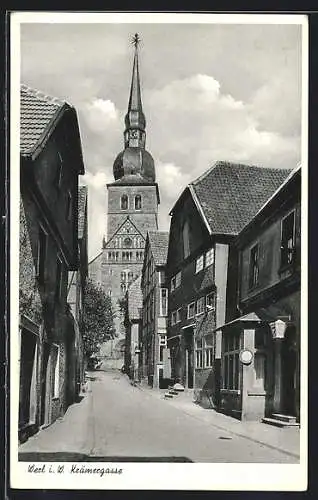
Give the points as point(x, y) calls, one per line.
point(127, 242)
point(59, 280)
point(231, 364)
point(127, 256)
point(186, 239)
point(163, 301)
point(176, 281)
point(287, 249)
point(69, 206)
point(253, 272)
point(161, 277)
point(199, 264)
point(200, 305)
point(41, 256)
point(173, 317)
point(138, 202)
point(199, 353)
point(162, 346)
point(209, 257)
point(178, 318)
point(210, 300)
point(124, 202)
point(208, 354)
point(191, 310)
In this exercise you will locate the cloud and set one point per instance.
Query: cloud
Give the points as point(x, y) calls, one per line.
point(192, 124)
point(100, 115)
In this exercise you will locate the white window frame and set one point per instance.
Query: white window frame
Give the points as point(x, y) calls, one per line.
point(208, 354)
point(199, 301)
point(194, 310)
point(211, 294)
point(294, 236)
point(209, 257)
point(178, 316)
point(161, 302)
point(199, 264)
point(199, 353)
point(173, 318)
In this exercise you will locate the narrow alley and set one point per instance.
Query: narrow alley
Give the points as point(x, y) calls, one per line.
point(115, 421)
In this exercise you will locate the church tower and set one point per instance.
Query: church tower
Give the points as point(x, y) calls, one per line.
point(133, 200)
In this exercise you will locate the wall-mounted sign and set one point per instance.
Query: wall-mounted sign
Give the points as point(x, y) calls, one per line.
point(246, 356)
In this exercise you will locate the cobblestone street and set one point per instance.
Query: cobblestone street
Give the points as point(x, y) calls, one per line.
point(117, 421)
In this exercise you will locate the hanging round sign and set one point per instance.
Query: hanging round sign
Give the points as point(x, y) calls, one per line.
point(246, 356)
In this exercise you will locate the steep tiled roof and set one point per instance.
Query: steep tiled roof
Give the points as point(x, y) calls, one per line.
point(159, 246)
point(134, 299)
point(230, 194)
point(37, 114)
point(82, 196)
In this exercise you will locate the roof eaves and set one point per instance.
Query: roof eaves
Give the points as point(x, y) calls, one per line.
point(46, 134)
point(199, 207)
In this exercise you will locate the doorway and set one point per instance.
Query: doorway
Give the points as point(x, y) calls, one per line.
point(189, 367)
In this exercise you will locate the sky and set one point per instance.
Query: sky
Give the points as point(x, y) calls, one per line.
point(210, 92)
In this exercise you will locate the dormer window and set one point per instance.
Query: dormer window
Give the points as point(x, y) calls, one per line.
point(138, 202)
point(124, 202)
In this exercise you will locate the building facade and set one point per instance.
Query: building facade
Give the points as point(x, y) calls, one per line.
point(132, 210)
point(155, 355)
point(76, 293)
point(50, 163)
point(268, 329)
point(133, 338)
point(202, 268)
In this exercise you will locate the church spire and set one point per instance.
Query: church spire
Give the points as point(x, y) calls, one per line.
point(134, 163)
point(135, 118)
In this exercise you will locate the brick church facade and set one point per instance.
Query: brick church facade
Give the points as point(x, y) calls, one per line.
point(132, 210)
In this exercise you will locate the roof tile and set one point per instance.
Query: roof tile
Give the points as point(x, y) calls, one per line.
point(230, 194)
point(37, 111)
point(159, 246)
point(135, 300)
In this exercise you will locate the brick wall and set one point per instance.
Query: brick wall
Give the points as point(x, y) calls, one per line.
point(145, 219)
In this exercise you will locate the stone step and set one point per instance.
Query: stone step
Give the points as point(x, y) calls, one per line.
point(168, 395)
point(285, 418)
point(279, 423)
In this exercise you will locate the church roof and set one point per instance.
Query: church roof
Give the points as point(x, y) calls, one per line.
point(229, 194)
point(158, 241)
point(134, 297)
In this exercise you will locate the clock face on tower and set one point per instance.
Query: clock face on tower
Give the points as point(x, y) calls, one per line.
point(133, 134)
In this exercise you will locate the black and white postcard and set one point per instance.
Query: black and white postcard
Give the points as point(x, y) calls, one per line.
point(158, 232)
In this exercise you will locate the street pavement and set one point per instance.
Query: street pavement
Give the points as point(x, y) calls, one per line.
point(116, 421)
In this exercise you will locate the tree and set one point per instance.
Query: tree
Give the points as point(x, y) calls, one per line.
point(97, 319)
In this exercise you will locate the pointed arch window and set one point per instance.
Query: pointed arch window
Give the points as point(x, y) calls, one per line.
point(124, 202)
point(138, 202)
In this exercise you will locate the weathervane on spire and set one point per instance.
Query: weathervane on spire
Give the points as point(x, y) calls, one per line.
point(135, 40)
